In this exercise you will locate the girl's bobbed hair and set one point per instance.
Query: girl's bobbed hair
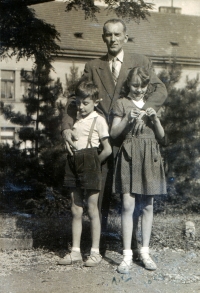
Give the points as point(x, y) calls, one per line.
point(141, 76)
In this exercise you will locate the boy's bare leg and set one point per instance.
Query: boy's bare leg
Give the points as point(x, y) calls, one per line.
point(94, 258)
point(93, 213)
point(77, 212)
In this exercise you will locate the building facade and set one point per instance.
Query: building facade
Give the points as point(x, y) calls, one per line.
point(165, 36)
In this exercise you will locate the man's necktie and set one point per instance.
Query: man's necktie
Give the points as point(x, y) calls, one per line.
point(115, 72)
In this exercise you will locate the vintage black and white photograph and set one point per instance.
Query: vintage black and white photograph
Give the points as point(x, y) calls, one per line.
point(99, 146)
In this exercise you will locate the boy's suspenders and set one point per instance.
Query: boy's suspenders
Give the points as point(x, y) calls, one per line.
point(90, 133)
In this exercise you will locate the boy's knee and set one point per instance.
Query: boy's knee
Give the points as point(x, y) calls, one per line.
point(77, 211)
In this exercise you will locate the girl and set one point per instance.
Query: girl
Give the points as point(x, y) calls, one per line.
point(139, 171)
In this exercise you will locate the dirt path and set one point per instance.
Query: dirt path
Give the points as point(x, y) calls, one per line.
point(36, 271)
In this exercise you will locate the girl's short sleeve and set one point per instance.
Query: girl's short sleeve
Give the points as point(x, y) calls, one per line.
point(118, 109)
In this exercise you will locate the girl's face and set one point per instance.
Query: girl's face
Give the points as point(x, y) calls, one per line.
point(136, 88)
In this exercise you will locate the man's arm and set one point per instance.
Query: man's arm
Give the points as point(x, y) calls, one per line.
point(69, 114)
point(157, 98)
point(68, 119)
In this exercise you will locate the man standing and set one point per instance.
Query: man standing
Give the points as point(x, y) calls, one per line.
point(109, 73)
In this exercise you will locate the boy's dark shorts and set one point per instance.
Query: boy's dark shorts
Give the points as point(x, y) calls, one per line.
point(83, 170)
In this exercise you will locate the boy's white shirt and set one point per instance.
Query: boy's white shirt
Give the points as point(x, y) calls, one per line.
point(82, 128)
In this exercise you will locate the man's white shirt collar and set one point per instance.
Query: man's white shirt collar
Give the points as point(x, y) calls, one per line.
point(120, 56)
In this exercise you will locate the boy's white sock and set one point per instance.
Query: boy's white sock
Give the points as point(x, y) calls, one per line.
point(96, 250)
point(144, 252)
point(76, 249)
point(127, 255)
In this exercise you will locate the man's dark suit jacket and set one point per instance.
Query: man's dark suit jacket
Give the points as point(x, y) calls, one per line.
point(99, 72)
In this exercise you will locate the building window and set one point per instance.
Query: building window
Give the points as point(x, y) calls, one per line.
point(78, 35)
point(7, 135)
point(7, 84)
point(131, 39)
point(25, 83)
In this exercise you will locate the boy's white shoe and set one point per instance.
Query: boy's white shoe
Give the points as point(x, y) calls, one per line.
point(71, 258)
point(93, 259)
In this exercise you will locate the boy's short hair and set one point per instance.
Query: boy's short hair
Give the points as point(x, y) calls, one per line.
point(86, 88)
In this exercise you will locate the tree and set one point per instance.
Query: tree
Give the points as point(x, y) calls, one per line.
point(41, 168)
point(24, 35)
point(71, 80)
point(181, 121)
point(129, 9)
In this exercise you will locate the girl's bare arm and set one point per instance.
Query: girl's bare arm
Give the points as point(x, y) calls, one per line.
point(156, 121)
point(120, 123)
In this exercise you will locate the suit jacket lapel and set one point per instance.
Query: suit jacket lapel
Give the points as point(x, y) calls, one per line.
point(106, 76)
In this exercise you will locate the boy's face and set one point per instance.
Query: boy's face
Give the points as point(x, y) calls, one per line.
point(85, 105)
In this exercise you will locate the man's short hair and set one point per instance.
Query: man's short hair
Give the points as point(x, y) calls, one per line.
point(114, 20)
point(86, 88)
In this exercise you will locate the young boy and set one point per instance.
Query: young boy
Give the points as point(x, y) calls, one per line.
point(83, 170)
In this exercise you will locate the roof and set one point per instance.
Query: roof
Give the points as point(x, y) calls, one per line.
point(162, 36)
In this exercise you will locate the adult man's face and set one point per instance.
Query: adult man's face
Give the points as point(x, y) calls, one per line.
point(114, 37)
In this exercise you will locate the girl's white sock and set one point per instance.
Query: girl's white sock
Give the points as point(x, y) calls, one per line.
point(76, 249)
point(127, 255)
point(96, 250)
point(144, 252)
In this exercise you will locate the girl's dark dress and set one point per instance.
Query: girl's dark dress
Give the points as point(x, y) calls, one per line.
point(139, 169)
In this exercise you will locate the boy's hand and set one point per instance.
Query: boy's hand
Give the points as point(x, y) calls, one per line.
point(151, 113)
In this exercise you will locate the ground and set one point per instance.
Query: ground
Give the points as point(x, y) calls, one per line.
point(177, 258)
point(37, 271)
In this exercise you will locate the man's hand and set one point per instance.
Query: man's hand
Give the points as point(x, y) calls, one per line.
point(69, 137)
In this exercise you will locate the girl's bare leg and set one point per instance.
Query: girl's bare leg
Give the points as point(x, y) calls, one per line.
point(147, 220)
point(128, 206)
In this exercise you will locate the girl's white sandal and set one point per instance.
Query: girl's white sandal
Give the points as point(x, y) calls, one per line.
point(148, 263)
point(125, 267)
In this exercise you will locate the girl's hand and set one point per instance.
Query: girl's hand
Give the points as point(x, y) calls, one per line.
point(133, 114)
point(151, 113)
